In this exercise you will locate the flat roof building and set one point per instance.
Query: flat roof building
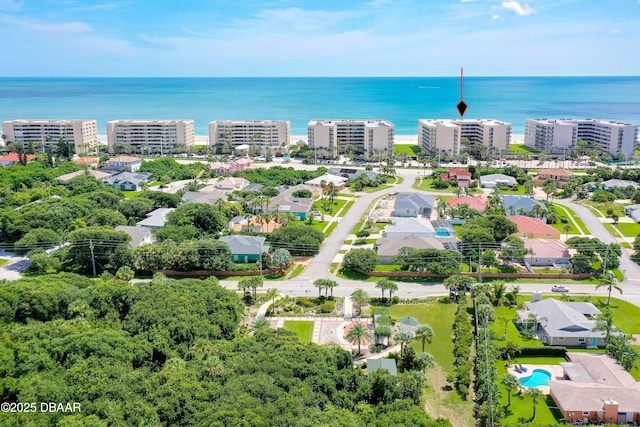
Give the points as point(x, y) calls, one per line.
point(559, 135)
point(364, 138)
point(150, 136)
point(45, 134)
point(257, 134)
point(446, 137)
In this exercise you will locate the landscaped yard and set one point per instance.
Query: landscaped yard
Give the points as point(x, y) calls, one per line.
point(302, 328)
point(130, 194)
point(328, 208)
point(439, 315)
point(297, 270)
point(427, 185)
point(3, 261)
point(406, 149)
point(318, 225)
point(521, 149)
point(628, 229)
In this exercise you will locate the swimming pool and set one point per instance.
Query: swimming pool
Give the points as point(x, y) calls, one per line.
point(537, 378)
point(442, 233)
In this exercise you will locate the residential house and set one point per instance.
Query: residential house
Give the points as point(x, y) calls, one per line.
point(522, 205)
point(547, 252)
point(90, 162)
point(413, 205)
point(478, 203)
point(94, 173)
point(388, 364)
point(613, 184)
point(559, 175)
point(156, 219)
point(596, 390)
point(564, 323)
point(286, 203)
point(232, 167)
point(443, 228)
point(208, 197)
point(388, 247)
point(253, 224)
point(124, 163)
point(351, 173)
point(404, 227)
point(139, 235)
point(14, 158)
point(339, 182)
point(128, 181)
point(529, 228)
point(245, 248)
point(461, 177)
point(633, 211)
point(231, 183)
point(497, 180)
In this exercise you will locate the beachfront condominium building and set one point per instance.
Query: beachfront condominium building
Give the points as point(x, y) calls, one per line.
point(368, 139)
point(560, 135)
point(259, 135)
point(443, 137)
point(44, 135)
point(150, 136)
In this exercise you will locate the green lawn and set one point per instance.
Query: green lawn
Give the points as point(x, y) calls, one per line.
point(346, 207)
point(617, 208)
point(515, 190)
point(408, 149)
point(439, 315)
point(3, 261)
point(302, 328)
point(296, 271)
point(576, 218)
point(130, 194)
point(628, 229)
point(387, 267)
point(426, 184)
point(318, 225)
point(520, 149)
point(328, 208)
point(330, 229)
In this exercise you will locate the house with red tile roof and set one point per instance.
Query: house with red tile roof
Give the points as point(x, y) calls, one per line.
point(125, 163)
point(14, 158)
point(534, 228)
point(478, 203)
point(462, 177)
point(91, 162)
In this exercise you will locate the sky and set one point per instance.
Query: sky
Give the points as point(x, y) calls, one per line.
point(238, 38)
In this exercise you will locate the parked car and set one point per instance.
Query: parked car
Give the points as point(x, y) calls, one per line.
point(559, 288)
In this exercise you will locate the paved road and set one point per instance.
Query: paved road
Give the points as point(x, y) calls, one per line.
point(629, 268)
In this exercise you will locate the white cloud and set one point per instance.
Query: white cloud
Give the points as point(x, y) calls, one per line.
point(615, 30)
point(496, 16)
point(58, 28)
point(520, 9)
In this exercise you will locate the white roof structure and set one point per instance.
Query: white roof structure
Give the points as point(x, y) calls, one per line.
point(327, 178)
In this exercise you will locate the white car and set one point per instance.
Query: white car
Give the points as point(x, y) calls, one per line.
point(559, 288)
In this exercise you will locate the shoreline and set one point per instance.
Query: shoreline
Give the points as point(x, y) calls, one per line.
point(516, 138)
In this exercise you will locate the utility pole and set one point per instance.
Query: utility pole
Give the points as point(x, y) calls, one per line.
point(479, 262)
point(93, 257)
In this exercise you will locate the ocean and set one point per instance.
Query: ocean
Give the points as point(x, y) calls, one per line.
point(402, 100)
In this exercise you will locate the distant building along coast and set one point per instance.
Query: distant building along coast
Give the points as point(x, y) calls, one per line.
point(556, 135)
point(446, 136)
point(261, 134)
point(150, 136)
point(45, 134)
point(367, 138)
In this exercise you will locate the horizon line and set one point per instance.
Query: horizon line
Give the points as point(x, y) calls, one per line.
point(311, 77)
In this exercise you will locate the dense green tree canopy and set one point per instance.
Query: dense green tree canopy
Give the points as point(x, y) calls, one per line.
point(297, 239)
point(206, 218)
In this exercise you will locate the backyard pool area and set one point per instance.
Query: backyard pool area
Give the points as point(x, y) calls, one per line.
point(538, 377)
point(442, 233)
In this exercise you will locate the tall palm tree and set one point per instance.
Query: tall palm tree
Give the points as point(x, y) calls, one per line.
point(272, 294)
point(425, 334)
point(320, 284)
point(609, 280)
point(424, 361)
point(535, 394)
point(403, 338)
point(358, 333)
point(604, 323)
point(360, 297)
point(510, 382)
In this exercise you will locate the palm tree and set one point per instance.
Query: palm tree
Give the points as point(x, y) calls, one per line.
point(386, 284)
point(272, 294)
point(358, 333)
point(604, 323)
point(509, 382)
point(403, 338)
point(609, 280)
point(425, 334)
point(567, 228)
point(535, 394)
point(360, 297)
point(320, 284)
point(259, 323)
point(424, 361)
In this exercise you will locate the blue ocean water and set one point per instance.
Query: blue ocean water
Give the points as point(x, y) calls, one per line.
point(401, 100)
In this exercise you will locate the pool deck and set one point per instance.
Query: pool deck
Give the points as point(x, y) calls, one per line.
point(556, 371)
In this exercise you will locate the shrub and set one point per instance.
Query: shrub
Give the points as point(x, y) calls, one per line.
point(550, 350)
point(327, 307)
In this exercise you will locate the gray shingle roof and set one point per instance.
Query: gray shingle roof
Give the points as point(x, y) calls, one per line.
point(245, 245)
point(524, 202)
point(565, 319)
point(388, 364)
point(138, 234)
point(413, 201)
point(132, 177)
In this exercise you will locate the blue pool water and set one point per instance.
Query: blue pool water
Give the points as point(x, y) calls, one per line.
point(537, 378)
point(442, 233)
